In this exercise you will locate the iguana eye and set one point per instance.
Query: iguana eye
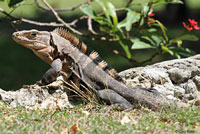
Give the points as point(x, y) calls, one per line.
point(33, 34)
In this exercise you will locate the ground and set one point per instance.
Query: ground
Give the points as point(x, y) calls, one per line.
point(89, 119)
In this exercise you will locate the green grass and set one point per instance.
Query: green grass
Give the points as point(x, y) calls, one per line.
point(22, 121)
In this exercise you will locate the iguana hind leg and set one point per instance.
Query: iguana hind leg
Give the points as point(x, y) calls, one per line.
point(113, 98)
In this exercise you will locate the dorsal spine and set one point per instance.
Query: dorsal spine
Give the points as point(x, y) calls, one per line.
point(92, 54)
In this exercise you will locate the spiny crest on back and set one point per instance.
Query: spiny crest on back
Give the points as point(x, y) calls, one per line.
point(73, 39)
point(65, 34)
point(103, 64)
point(92, 54)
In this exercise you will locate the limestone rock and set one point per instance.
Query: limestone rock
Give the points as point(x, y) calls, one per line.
point(52, 96)
point(177, 79)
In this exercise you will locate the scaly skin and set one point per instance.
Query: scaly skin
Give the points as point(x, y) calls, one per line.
point(64, 56)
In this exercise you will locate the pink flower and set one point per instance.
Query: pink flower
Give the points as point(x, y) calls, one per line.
point(191, 25)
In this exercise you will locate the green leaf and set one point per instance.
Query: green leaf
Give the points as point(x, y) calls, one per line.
point(101, 20)
point(148, 39)
point(131, 18)
point(163, 30)
point(177, 56)
point(178, 42)
point(146, 9)
point(157, 39)
point(188, 37)
point(151, 30)
point(166, 49)
point(141, 45)
point(104, 28)
point(88, 11)
point(112, 13)
point(137, 44)
point(14, 3)
point(1, 0)
point(126, 49)
point(101, 3)
point(182, 51)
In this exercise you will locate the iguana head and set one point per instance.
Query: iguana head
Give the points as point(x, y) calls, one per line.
point(32, 39)
point(38, 41)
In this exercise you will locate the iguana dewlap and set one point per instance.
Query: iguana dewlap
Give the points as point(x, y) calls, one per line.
point(65, 53)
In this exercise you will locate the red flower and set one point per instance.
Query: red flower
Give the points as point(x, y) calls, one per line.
point(187, 26)
point(151, 15)
point(192, 25)
point(151, 20)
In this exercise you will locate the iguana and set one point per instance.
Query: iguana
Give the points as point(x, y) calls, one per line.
point(70, 57)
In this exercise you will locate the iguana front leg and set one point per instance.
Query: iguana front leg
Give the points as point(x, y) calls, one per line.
point(52, 73)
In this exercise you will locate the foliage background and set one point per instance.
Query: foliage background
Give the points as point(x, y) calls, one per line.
point(19, 65)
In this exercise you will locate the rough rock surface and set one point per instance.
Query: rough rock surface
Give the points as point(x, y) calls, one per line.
point(52, 96)
point(177, 79)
